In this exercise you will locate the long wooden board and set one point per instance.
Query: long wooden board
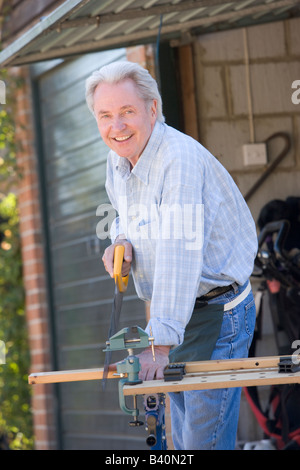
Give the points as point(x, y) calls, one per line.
point(234, 364)
point(68, 376)
point(214, 380)
point(255, 363)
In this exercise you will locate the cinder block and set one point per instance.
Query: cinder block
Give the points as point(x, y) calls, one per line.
point(237, 77)
point(222, 46)
point(266, 41)
point(212, 101)
point(271, 87)
point(293, 26)
point(224, 139)
point(266, 127)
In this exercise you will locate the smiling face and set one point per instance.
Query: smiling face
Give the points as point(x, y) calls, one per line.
point(124, 120)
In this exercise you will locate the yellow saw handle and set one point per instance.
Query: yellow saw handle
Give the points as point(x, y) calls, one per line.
point(120, 281)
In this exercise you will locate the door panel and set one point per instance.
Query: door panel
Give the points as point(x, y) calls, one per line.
point(74, 164)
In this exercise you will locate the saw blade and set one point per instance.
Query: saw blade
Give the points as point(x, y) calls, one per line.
point(114, 322)
point(120, 287)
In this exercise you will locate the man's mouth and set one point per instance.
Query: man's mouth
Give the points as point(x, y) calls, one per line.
point(122, 138)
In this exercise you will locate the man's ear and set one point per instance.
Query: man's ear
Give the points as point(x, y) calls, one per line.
point(154, 109)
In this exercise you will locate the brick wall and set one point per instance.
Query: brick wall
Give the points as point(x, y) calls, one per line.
point(33, 263)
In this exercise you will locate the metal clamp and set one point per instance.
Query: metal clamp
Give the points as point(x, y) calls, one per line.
point(174, 372)
point(287, 365)
point(129, 338)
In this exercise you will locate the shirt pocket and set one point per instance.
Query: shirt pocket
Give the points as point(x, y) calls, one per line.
point(148, 229)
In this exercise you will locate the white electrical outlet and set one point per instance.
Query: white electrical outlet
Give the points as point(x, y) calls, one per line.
point(255, 154)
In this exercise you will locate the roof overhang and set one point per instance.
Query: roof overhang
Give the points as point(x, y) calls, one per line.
point(82, 26)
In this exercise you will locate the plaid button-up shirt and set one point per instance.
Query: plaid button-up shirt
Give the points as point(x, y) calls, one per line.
point(189, 226)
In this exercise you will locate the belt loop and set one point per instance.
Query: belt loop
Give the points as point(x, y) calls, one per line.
point(235, 287)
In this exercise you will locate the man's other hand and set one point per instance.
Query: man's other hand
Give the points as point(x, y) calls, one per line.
point(150, 369)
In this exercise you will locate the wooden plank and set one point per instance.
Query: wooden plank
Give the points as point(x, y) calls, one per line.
point(207, 381)
point(68, 376)
point(209, 367)
point(186, 70)
point(234, 364)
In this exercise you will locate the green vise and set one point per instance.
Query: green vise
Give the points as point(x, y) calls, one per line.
point(129, 338)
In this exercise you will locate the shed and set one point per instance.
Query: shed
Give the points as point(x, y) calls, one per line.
point(219, 65)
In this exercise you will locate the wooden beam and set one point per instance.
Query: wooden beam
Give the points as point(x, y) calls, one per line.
point(139, 13)
point(215, 380)
point(69, 376)
point(190, 367)
point(187, 83)
point(234, 364)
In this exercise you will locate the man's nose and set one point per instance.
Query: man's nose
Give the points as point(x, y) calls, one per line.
point(118, 124)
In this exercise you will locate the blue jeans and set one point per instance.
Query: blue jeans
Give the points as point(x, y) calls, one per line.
point(208, 419)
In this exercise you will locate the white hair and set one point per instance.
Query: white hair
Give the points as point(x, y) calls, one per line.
point(122, 70)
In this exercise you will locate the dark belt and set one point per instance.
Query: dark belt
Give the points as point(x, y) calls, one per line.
point(212, 294)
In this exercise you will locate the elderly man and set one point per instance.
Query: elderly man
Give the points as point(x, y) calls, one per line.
point(190, 240)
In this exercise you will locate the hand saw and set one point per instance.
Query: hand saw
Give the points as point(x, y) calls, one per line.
point(120, 287)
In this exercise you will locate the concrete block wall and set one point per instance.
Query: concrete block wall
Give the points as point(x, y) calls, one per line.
point(222, 97)
point(224, 126)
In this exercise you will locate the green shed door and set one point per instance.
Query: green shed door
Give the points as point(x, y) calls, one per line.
point(73, 162)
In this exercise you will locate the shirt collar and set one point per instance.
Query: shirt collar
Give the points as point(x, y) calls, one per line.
point(142, 167)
